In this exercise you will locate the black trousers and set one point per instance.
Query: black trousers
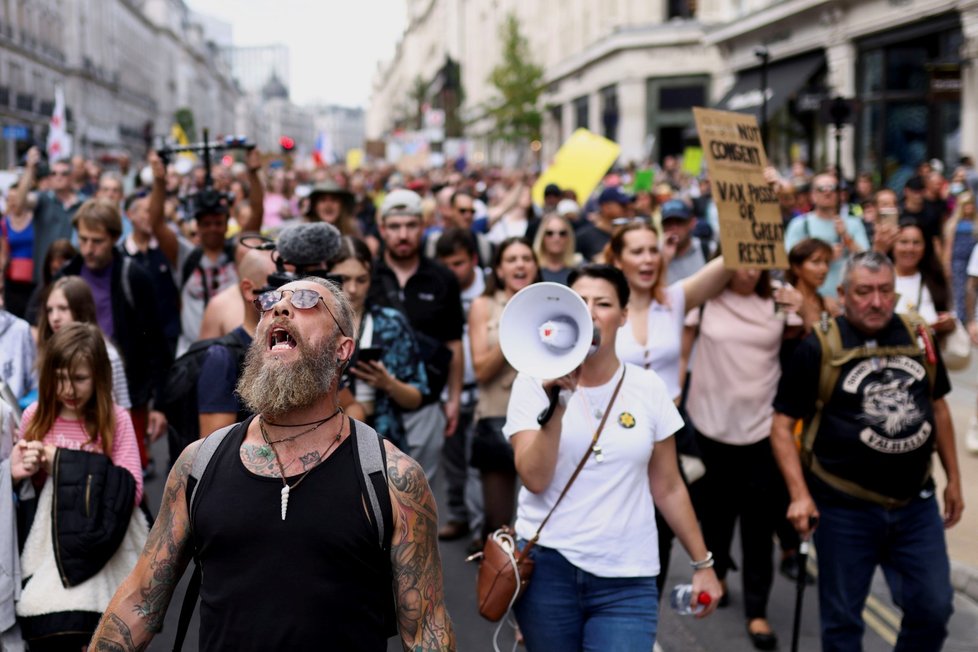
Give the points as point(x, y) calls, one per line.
point(742, 483)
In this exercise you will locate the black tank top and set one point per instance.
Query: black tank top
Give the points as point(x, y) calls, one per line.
point(316, 581)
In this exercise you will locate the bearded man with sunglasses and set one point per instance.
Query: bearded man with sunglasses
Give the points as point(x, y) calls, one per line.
point(279, 524)
point(846, 234)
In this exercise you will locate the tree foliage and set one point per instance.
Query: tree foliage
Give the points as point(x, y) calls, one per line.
point(518, 82)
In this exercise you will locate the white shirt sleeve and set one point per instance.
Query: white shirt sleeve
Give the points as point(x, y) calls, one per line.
point(526, 401)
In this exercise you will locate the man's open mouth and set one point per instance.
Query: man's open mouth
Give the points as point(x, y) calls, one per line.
point(280, 340)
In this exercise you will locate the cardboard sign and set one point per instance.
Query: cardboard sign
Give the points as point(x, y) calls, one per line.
point(751, 231)
point(580, 164)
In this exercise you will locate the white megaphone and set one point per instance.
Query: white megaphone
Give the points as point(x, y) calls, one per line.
point(546, 330)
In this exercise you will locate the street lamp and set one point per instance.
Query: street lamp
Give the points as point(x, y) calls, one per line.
point(763, 54)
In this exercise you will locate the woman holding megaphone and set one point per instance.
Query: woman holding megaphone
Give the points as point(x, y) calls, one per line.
point(514, 267)
point(594, 577)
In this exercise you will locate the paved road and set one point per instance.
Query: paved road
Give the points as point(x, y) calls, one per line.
point(724, 630)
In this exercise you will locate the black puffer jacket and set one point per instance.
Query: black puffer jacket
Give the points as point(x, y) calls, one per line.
point(93, 504)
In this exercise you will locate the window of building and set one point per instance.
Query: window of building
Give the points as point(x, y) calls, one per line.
point(680, 9)
point(581, 113)
point(908, 82)
point(609, 112)
point(668, 114)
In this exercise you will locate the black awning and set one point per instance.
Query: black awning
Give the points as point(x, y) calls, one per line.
point(784, 79)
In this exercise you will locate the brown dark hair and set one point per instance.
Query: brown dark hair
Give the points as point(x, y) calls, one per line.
point(801, 252)
point(80, 300)
point(99, 214)
point(74, 345)
point(492, 281)
point(59, 249)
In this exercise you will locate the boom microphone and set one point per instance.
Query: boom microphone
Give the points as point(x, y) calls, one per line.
point(308, 245)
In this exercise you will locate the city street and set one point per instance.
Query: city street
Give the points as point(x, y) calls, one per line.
point(725, 630)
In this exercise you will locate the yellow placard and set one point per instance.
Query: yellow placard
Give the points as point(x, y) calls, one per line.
point(354, 159)
point(751, 230)
point(693, 161)
point(580, 164)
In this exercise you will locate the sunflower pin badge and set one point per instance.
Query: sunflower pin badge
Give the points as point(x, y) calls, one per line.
point(626, 420)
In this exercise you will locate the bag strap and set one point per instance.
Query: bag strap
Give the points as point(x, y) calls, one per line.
point(580, 465)
point(372, 462)
point(204, 454)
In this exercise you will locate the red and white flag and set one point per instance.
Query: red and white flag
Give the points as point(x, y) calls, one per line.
point(59, 142)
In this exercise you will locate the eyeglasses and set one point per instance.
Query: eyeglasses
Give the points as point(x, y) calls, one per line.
point(550, 234)
point(301, 299)
point(828, 188)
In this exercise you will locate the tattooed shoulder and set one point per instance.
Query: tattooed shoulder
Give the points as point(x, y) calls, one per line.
point(406, 476)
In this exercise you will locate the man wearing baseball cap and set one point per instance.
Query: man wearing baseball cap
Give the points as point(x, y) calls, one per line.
point(427, 294)
point(691, 252)
point(591, 239)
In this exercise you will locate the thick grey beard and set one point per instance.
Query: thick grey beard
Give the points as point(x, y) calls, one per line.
point(273, 388)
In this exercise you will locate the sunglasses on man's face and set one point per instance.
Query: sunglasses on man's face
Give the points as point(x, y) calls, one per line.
point(300, 299)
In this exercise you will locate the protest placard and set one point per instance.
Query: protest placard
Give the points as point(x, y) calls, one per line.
point(580, 164)
point(751, 230)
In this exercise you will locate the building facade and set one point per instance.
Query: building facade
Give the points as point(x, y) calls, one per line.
point(632, 70)
point(126, 67)
point(908, 67)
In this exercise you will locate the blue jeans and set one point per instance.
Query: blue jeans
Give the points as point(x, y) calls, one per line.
point(565, 609)
point(908, 543)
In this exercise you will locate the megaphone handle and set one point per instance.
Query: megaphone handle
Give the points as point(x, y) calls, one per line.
point(549, 412)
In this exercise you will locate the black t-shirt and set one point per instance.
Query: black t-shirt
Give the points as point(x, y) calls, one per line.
point(431, 299)
point(591, 241)
point(930, 218)
point(877, 429)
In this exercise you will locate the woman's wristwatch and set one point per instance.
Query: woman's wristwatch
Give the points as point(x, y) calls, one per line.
point(704, 563)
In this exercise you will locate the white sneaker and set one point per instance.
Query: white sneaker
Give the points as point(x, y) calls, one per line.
point(971, 437)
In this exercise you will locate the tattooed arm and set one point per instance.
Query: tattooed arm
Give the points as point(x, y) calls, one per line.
point(424, 622)
point(137, 610)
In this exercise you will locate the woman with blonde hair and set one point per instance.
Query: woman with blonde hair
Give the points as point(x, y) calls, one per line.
point(555, 248)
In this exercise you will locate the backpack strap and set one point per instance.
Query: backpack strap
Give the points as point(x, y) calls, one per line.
point(127, 282)
point(191, 263)
point(833, 357)
point(204, 454)
point(372, 462)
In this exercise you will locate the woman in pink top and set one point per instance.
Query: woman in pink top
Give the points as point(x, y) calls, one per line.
point(732, 385)
point(74, 411)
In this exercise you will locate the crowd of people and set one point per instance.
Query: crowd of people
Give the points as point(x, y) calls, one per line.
point(707, 387)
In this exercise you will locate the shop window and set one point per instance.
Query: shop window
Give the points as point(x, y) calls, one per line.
point(871, 73)
point(904, 69)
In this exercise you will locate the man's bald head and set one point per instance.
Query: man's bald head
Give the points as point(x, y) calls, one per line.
point(255, 266)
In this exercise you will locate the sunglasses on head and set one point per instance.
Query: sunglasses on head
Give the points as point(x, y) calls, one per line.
point(300, 299)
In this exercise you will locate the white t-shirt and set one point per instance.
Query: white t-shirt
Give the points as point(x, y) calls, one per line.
point(606, 523)
point(663, 339)
point(912, 290)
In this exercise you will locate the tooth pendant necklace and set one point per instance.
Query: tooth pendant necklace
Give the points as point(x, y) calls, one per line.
point(286, 487)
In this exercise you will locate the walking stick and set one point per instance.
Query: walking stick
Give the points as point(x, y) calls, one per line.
point(800, 583)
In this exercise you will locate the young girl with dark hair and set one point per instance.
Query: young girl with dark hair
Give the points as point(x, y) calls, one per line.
point(75, 412)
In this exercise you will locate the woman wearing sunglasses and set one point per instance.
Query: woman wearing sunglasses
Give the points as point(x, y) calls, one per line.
point(555, 248)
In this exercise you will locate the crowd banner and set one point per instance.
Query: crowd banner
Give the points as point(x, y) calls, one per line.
point(751, 230)
point(580, 164)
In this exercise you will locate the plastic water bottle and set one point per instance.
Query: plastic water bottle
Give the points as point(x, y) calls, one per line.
point(681, 597)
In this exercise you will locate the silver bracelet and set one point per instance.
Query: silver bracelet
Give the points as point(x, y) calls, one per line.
point(703, 564)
